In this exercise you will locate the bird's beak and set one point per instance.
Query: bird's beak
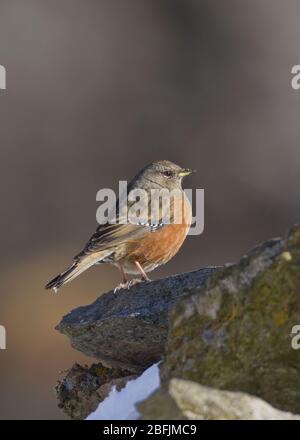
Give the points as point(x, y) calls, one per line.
point(185, 172)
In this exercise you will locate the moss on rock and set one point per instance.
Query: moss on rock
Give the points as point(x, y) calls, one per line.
point(234, 332)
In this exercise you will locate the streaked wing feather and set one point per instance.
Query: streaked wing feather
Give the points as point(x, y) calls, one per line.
point(111, 235)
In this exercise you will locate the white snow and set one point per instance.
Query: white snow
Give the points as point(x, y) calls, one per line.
point(120, 405)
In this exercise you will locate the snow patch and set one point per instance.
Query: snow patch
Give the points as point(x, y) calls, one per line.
point(120, 405)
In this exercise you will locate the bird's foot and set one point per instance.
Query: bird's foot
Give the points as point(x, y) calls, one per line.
point(134, 281)
point(129, 284)
point(121, 286)
point(137, 281)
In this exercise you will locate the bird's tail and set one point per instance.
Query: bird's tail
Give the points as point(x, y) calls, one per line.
point(73, 271)
point(65, 277)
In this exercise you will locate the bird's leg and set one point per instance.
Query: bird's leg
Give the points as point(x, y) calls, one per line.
point(143, 273)
point(138, 280)
point(124, 284)
point(127, 284)
point(123, 274)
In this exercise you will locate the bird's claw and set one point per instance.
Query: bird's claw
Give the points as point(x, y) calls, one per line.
point(128, 284)
point(120, 287)
point(133, 282)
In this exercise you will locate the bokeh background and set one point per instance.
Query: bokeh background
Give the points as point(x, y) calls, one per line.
point(96, 89)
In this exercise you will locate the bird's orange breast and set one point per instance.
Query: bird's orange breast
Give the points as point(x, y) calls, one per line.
point(159, 247)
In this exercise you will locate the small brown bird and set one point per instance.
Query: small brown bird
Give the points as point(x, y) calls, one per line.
point(138, 246)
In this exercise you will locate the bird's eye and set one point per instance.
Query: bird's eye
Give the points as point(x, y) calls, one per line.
point(168, 173)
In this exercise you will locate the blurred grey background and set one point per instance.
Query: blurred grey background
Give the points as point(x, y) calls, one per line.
point(96, 89)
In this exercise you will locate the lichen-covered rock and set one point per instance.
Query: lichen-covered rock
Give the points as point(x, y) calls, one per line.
point(81, 390)
point(234, 333)
point(129, 330)
point(184, 399)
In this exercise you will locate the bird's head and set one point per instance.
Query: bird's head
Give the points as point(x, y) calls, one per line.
point(163, 174)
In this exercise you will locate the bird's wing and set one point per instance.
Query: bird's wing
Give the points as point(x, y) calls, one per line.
point(110, 235)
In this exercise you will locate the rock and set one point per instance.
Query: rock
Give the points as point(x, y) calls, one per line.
point(82, 389)
point(129, 330)
point(160, 406)
point(234, 332)
point(185, 399)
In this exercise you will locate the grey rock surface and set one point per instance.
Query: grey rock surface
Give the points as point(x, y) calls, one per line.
point(129, 330)
point(235, 333)
point(82, 388)
point(225, 335)
point(187, 400)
